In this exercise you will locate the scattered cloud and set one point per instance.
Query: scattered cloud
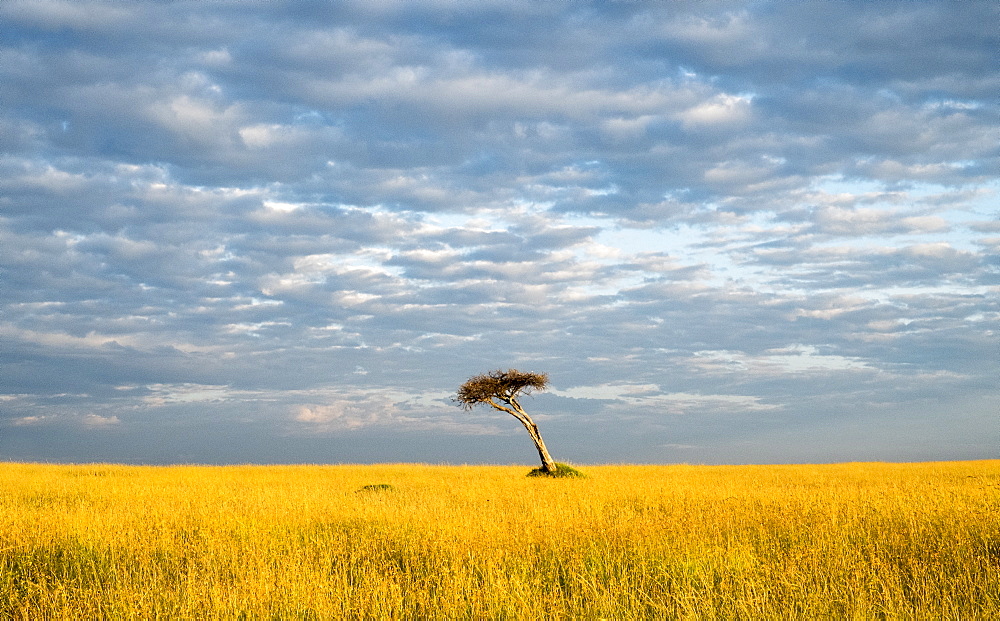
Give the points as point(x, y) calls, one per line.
point(96, 421)
point(308, 226)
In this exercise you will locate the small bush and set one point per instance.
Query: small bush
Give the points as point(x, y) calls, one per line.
point(562, 471)
point(377, 487)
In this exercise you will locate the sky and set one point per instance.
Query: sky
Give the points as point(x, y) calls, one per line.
point(287, 232)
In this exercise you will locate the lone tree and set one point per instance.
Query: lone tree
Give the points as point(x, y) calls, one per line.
point(501, 389)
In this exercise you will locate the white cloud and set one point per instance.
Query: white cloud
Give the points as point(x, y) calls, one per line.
point(652, 398)
point(347, 411)
point(96, 421)
point(29, 420)
point(871, 221)
point(317, 227)
point(200, 121)
point(722, 109)
point(794, 359)
point(343, 416)
point(55, 14)
point(91, 340)
point(170, 394)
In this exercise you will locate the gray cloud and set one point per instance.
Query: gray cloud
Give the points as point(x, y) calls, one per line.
point(287, 232)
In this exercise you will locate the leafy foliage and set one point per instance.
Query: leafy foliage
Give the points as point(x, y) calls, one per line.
point(500, 385)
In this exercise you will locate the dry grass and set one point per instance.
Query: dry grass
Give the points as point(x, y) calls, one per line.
point(485, 542)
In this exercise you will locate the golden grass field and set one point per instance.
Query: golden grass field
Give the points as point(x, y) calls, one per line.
point(918, 541)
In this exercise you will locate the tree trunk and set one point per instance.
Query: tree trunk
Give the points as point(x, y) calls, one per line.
point(543, 453)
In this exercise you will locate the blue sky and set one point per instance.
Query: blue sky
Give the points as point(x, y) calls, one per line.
point(730, 232)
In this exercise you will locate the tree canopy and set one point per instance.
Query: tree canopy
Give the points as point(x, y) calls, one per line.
point(499, 385)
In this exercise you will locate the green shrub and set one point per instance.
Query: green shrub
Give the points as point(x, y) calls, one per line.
point(562, 471)
point(377, 487)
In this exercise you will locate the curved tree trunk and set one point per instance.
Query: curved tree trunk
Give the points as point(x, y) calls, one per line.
point(543, 453)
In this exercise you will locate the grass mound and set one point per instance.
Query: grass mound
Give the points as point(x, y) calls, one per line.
point(562, 471)
point(377, 487)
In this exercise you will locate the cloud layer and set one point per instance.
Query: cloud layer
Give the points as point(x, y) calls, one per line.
point(729, 231)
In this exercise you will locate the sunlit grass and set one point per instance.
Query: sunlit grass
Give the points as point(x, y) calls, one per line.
point(486, 542)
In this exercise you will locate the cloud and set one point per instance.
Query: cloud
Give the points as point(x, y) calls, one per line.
point(380, 409)
point(303, 225)
point(862, 221)
point(28, 420)
point(340, 416)
point(96, 421)
point(632, 398)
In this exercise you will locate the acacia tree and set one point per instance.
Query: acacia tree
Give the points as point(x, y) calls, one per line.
point(501, 389)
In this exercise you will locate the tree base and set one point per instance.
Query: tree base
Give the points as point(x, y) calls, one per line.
point(562, 471)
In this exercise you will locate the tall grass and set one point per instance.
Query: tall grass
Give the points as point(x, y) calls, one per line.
point(485, 542)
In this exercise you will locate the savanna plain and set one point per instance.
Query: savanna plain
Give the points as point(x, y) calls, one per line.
point(862, 540)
